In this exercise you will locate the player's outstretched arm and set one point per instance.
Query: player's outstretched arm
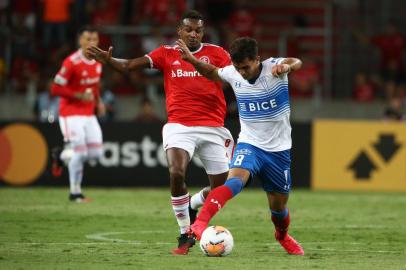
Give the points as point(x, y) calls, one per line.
point(121, 65)
point(286, 66)
point(207, 70)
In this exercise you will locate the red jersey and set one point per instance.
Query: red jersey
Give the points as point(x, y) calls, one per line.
point(191, 99)
point(76, 75)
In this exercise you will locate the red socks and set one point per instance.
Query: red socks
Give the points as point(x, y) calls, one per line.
point(281, 225)
point(214, 202)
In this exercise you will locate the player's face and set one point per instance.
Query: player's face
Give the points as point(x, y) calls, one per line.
point(191, 32)
point(88, 39)
point(248, 68)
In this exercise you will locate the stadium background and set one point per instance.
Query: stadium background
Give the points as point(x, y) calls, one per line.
point(354, 70)
point(348, 162)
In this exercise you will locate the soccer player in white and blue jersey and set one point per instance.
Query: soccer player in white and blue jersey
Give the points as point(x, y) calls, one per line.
point(264, 143)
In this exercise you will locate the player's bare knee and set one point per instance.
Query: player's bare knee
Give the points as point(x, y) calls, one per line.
point(277, 201)
point(177, 174)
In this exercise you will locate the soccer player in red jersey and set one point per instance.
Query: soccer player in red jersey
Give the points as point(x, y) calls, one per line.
point(78, 83)
point(196, 110)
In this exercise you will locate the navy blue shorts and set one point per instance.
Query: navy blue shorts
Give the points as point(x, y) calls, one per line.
point(272, 168)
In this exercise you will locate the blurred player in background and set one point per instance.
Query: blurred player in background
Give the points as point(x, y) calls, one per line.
point(78, 85)
point(264, 143)
point(196, 110)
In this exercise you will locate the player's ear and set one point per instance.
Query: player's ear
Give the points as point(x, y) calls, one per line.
point(179, 29)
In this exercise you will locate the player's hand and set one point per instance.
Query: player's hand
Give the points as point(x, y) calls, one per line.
point(101, 109)
point(98, 54)
point(184, 51)
point(86, 96)
point(280, 69)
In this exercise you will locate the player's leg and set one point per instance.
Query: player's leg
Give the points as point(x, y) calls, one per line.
point(215, 150)
point(276, 181)
point(94, 139)
point(281, 220)
point(75, 131)
point(178, 159)
point(279, 213)
point(196, 201)
point(179, 145)
point(243, 166)
point(61, 156)
point(94, 143)
point(218, 197)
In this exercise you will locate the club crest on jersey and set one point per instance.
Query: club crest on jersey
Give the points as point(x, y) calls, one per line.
point(205, 59)
point(237, 84)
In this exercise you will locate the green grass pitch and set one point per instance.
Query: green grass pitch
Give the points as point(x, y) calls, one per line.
point(135, 229)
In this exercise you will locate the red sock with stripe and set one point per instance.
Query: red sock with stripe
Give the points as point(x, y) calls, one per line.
point(281, 220)
point(216, 200)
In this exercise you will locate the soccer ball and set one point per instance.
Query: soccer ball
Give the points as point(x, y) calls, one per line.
point(216, 241)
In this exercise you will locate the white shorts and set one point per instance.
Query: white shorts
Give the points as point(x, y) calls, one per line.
point(213, 145)
point(81, 131)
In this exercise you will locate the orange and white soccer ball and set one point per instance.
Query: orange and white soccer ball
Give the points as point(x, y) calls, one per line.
point(216, 241)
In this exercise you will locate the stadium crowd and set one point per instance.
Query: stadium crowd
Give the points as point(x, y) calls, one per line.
point(40, 33)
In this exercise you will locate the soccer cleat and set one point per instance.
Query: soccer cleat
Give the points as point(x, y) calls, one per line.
point(185, 242)
point(79, 198)
point(57, 163)
point(290, 245)
point(198, 228)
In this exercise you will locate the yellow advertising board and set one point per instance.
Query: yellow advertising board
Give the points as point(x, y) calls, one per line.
point(358, 155)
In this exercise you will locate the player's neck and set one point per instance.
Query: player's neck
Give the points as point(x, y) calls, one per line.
point(82, 52)
point(195, 50)
point(85, 58)
point(255, 77)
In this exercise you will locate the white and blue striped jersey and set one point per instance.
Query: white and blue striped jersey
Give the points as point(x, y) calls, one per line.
point(263, 107)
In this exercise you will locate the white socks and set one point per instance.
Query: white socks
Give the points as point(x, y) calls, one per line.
point(180, 207)
point(197, 200)
point(75, 168)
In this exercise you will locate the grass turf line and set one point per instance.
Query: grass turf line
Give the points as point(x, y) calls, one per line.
point(135, 229)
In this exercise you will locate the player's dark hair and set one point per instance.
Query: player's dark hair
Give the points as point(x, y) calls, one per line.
point(87, 28)
point(243, 48)
point(192, 14)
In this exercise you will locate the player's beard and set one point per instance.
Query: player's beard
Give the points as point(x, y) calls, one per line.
point(193, 46)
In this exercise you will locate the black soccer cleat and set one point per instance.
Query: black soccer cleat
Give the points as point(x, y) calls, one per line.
point(79, 198)
point(56, 164)
point(185, 242)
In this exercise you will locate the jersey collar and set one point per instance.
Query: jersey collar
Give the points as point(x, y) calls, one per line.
point(198, 50)
point(253, 80)
point(84, 59)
